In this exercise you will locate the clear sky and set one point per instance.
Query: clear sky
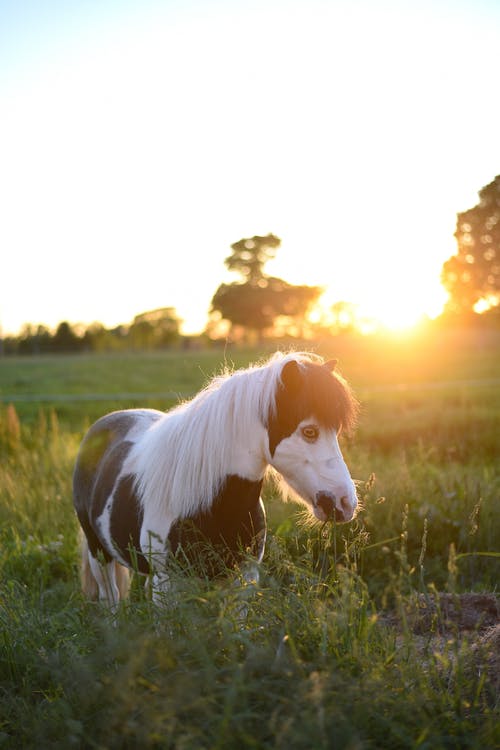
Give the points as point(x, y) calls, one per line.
point(138, 140)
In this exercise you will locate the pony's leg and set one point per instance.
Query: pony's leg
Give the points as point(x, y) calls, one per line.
point(89, 583)
point(123, 577)
point(251, 574)
point(246, 583)
point(91, 573)
point(154, 548)
point(106, 579)
point(161, 587)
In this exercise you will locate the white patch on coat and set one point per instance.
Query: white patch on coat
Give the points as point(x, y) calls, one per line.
point(183, 458)
point(316, 467)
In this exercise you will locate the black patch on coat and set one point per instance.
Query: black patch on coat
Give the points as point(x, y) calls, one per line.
point(101, 438)
point(125, 524)
point(310, 390)
point(220, 538)
point(98, 465)
point(93, 540)
point(109, 469)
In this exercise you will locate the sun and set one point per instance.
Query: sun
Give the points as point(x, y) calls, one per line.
point(383, 308)
point(393, 314)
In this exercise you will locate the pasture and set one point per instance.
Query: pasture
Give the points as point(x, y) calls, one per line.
point(369, 635)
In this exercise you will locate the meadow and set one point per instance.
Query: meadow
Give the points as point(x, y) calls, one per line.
point(357, 635)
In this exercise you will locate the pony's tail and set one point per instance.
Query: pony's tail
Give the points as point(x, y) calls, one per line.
point(89, 584)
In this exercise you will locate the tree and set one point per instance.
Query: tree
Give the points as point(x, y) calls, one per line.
point(249, 256)
point(154, 329)
point(243, 305)
point(258, 300)
point(472, 276)
point(65, 339)
point(344, 315)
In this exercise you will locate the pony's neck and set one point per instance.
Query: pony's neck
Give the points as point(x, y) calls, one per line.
point(250, 457)
point(182, 462)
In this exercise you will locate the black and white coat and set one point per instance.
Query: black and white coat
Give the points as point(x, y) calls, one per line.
point(147, 482)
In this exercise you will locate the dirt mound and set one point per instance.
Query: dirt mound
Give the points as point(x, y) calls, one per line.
point(452, 613)
point(469, 620)
point(486, 655)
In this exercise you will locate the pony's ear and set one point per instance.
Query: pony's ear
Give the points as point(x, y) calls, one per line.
point(331, 364)
point(290, 376)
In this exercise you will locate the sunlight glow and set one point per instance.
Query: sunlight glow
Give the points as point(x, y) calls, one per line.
point(136, 146)
point(389, 308)
point(486, 303)
point(399, 311)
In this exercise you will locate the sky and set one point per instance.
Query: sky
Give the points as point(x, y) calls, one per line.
point(138, 140)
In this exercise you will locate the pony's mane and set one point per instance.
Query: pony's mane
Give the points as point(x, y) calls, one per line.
point(183, 458)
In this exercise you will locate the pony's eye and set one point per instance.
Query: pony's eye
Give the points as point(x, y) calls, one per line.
point(310, 433)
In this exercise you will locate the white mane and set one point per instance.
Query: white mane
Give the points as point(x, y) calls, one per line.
point(182, 460)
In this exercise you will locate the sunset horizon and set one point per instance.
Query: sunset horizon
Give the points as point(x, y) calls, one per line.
point(138, 142)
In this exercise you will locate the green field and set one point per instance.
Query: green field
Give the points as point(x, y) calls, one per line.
point(347, 643)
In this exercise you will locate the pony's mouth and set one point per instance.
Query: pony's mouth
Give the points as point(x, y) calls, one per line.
point(326, 508)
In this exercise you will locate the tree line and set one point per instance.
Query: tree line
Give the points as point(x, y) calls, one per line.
point(257, 305)
point(156, 329)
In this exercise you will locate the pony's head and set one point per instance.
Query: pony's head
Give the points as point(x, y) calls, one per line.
point(312, 405)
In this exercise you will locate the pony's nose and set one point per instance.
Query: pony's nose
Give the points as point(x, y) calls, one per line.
point(343, 512)
point(333, 510)
point(326, 501)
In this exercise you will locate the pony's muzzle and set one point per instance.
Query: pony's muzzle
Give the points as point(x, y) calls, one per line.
point(331, 508)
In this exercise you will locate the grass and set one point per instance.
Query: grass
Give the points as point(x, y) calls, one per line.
point(319, 661)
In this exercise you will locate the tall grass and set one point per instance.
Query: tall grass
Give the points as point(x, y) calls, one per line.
point(326, 656)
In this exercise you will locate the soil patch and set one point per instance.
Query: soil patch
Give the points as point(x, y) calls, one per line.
point(472, 620)
point(451, 613)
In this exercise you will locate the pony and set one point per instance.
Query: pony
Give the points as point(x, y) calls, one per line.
point(148, 485)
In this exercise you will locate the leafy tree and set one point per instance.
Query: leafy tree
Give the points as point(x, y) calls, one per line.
point(154, 329)
point(100, 339)
point(249, 256)
point(257, 307)
point(65, 339)
point(242, 305)
point(472, 276)
point(257, 301)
